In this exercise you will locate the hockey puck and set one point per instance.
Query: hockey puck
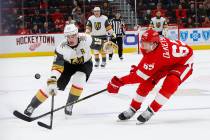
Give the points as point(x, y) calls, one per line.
point(37, 76)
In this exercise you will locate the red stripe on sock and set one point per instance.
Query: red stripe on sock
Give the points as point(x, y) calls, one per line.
point(77, 87)
point(43, 93)
point(136, 105)
point(155, 106)
point(57, 70)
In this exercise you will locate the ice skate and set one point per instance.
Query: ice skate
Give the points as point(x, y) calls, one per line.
point(29, 110)
point(68, 110)
point(103, 64)
point(110, 58)
point(145, 116)
point(127, 114)
point(96, 64)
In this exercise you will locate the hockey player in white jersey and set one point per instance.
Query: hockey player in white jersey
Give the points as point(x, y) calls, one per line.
point(72, 60)
point(159, 24)
point(98, 26)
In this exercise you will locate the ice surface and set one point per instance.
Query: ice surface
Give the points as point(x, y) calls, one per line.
point(185, 116)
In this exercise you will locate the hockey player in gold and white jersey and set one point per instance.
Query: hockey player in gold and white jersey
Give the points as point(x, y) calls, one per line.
point(72, 61)
point(159, 24)
point(98, 26)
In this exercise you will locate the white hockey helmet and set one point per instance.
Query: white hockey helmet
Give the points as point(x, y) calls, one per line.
point(96, 9)
point(70, 29)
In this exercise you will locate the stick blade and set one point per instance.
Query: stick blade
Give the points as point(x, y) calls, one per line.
point(21, 116)
point(44, 125)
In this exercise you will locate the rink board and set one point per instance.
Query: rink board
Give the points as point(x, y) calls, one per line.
point(44, 44)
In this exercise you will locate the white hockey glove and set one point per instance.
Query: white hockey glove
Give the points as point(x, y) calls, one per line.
point(109, 46)
point(52, 85)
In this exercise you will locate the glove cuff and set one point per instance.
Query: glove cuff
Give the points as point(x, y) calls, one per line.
point(53, 77)
point(55, 73)
point(52, 80)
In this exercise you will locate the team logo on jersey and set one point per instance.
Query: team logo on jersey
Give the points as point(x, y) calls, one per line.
point(206, 35)
point(183, 35)
point(97, 25)
point(158, 24)
point(195, 35)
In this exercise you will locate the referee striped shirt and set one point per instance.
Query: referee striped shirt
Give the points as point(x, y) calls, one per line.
point(117, 26)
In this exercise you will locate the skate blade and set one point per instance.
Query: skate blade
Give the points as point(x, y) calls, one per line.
point(118, 120)
point(67, 117)
point(140, 123)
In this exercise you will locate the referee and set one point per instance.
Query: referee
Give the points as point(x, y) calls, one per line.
point(118, 27)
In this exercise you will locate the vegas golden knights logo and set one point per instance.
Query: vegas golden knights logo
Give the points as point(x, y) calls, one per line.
point(158, 24)
point(97, 25)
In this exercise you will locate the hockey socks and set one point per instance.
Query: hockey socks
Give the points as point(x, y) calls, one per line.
point(74, 95)
point(39, 98)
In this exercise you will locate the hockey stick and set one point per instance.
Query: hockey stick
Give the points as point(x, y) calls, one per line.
point(51, 116)
point(30, 119)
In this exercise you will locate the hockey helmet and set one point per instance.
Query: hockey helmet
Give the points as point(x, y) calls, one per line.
point(149, 40)
point(150, 36)
point(96, 9)
point(70, 29)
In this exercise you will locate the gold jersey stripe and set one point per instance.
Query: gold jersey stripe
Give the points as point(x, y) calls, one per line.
point(102, 51)
point(108, 28)
point(96, 55)
point(58, 68)
point(77, 91)
point(41, 96)
point(77, 87)
point(103, 55)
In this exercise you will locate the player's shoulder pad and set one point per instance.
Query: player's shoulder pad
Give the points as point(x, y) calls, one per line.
point(153, 18)
point(91, 17)
point(61, 46)
point(163, 18)
point(82, 36)
point(63, 43)
point(103, 16)
point(85, 37)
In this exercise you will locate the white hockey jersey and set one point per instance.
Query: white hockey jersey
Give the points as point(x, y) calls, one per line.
point(99, 25)
point(158, 23)
point(77, 55)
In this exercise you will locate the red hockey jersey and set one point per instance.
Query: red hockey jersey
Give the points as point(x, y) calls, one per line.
point(168, 56)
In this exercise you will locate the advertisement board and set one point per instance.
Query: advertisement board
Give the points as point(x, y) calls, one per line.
point(44, 44)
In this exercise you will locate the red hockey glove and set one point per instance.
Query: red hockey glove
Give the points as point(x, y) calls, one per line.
point(114, 85)
point(133, 68)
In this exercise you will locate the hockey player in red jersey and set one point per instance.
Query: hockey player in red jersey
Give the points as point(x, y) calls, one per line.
point(162, 58)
